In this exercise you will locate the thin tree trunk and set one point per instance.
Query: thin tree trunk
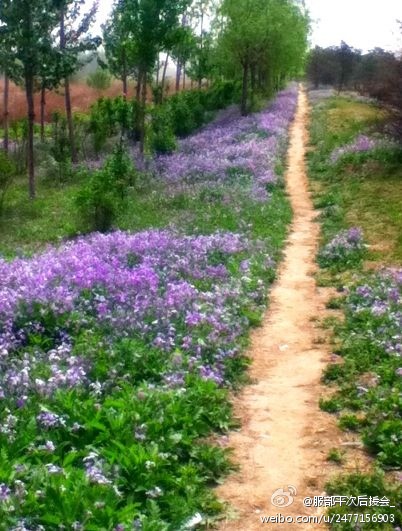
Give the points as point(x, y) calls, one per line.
point(244, 94)
point(164, 73)
point(138, 88)
point(70, 123)
point(158, 65)
point(124, 75)
point(178, 75)
point(67, 94)
point(184, 78)
point(253, 83)
point(143, 105)
point(42, 113)
point(125, 86)
point(202, 45)
point(6, 112)
point(31, 119)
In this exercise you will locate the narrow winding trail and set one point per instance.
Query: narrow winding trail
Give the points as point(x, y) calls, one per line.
point(285, 438)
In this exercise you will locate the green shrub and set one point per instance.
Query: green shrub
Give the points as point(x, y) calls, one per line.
point(7, 172)
point(161, 136)
point(110, 116)
point(100, 79)
point(222, 94)
point(381, 517)
point(60, 142)
point(102, 197)
point(182, 116)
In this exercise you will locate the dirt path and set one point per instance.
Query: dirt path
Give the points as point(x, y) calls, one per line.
point(285, 438)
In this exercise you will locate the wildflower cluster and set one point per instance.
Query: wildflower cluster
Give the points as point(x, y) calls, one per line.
point(345, 249)
point(361, 144)
point(371, 377)
point(238, 148)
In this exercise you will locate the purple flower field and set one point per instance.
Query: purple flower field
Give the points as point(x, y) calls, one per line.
point(116, 349)
point(160, 286)
point(248, 146)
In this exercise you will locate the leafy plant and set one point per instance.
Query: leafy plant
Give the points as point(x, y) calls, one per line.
point(7, 173)
point(100, 79)
point(161, 135)
point(102, 197)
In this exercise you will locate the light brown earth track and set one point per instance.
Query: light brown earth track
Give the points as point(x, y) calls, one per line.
point(285, 438)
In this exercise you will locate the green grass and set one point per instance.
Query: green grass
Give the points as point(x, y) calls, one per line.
point(27, 226)
point(385, 518)
point(364, 190)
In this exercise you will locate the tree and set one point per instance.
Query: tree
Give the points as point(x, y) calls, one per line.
point(347, 58)
point(265, 39)
point(4, 68)
point(201, 9)
point(25, 33)
point(74, 40)
point(322, 66)
point(120, 50)
point(148, 25)
point(182, 45)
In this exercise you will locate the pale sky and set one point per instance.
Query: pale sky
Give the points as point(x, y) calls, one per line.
point(363, 24)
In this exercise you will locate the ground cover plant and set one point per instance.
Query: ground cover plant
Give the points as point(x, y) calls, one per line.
point(117, 350)
point(356, 178)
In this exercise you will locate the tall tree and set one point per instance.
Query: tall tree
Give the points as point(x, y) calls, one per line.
point(25, 31)
point(148, 25)
point(6, 112)
point(265, 39)
point(120, 49)
point(4, 68)
point(74, 40)
point(201, 11)
point(347, 58)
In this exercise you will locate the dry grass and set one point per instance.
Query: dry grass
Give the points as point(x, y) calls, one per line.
point(81, 94)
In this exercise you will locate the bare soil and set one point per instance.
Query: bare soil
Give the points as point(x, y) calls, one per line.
point(285, 438)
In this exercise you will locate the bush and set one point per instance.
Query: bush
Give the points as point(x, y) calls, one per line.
point(183, 121)
point(100, 79)
point(109, 116)
point(102, 197)
point(345, 250)
point(7, 172)
point(222, 94)
point(161, 135)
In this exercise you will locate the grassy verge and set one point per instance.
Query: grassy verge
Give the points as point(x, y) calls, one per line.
point(356, 178)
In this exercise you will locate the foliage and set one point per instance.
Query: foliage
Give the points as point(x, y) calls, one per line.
point(149, 24)
point(120, 50)
point(374, 486)
point(265, 40)
point(353, 164)
point(161, 136)
point(222, 94)
point(376, 74)
point(25, 35)
point(7, 172)
point(110, 116)
point(353, 171)
point(344, 250)
point(100, 79)
point(101, 197)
